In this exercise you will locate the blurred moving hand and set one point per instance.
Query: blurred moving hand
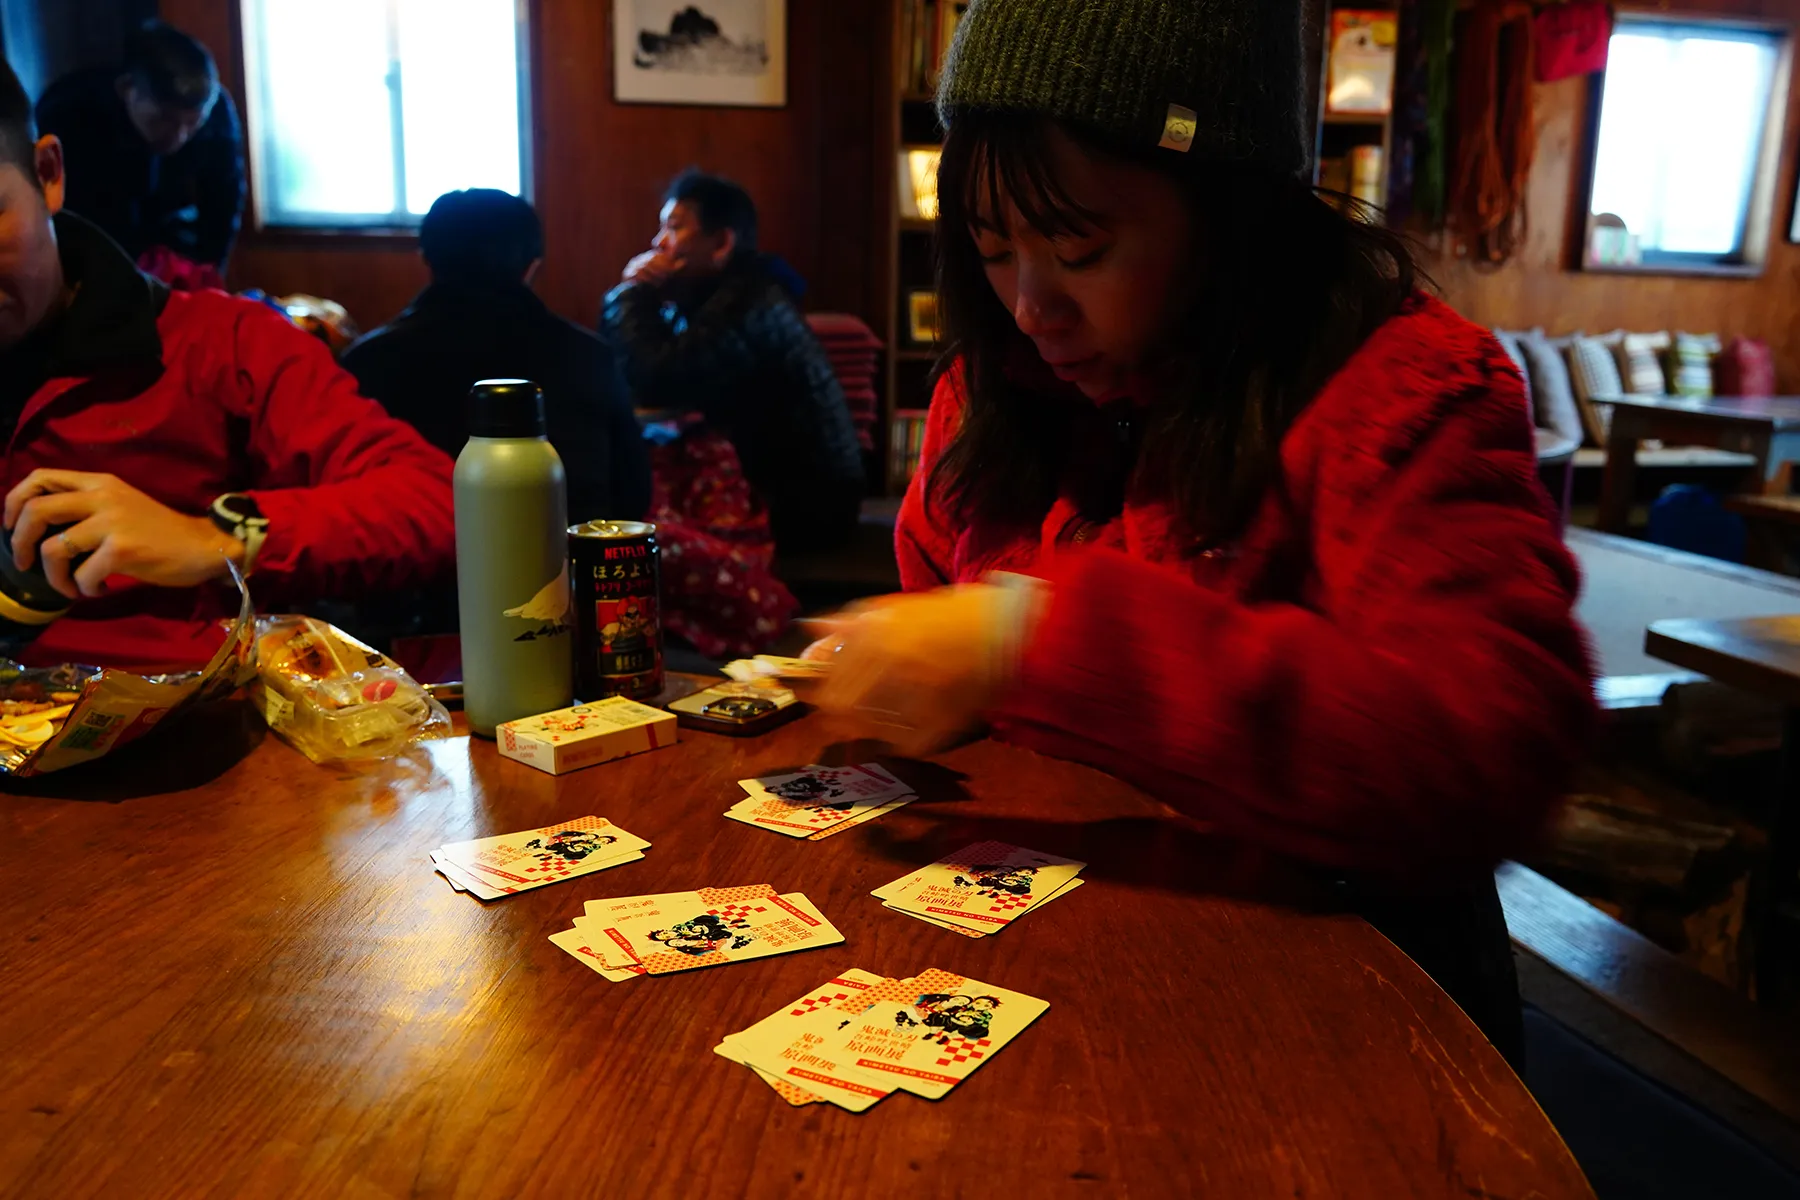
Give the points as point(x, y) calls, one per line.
point(921, 671)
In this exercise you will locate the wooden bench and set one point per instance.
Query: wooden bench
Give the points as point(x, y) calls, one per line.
point(1753, 1051)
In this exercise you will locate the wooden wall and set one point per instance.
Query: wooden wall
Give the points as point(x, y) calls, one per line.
point(1539, 287)
point(44, 39)
point(601, 167)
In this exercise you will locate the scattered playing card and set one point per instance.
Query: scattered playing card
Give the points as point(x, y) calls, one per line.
point(818, 799)
point(832, 993)
point(858, 1037)
point(981, 888)
point(927, 1035)
point(681, 931)
point(1058, 894)
point(517, 862)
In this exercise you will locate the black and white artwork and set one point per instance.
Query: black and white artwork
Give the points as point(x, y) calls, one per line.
point(700, 52)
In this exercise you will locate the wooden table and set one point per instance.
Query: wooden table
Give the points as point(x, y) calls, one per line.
point(229, 972)
point(1766, 427)
point(1759, 655)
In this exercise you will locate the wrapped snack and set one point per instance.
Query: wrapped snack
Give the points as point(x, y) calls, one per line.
point(333, 698)
point(53, 718)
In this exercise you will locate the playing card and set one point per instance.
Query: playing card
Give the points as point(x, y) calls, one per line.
point(608, 922)
point(774, 666)
point(985, 886)
point(819, 798)
point(789, 1045)
point(719, 926)
point(928, 1034)
point(517, 862)
point(941, 923)
point(832, 992)
point(864, 815)
point(577, 943)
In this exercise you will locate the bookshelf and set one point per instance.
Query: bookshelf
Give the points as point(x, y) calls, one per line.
point(1353, 151)
point(921, 30)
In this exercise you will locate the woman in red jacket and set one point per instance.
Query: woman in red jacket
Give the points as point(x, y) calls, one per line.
point(1213, 498)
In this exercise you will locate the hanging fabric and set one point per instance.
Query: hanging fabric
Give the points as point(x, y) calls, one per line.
point(1572, 39)
point(1437, 21)
point(1495, 137)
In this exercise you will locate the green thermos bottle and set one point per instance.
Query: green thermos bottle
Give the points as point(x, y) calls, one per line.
point(512, 560)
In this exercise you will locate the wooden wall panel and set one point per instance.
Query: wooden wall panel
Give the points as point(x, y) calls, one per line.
point(601, 167)
point(1539, 287)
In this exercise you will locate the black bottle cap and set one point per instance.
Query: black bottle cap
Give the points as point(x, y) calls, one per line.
point(506, 408)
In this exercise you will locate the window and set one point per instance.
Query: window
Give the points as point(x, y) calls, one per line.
point(362, 112)
point(1686, 144)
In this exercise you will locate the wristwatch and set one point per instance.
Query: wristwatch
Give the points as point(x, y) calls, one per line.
point(238, 515)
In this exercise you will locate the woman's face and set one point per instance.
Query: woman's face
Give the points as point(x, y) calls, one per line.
point(1097, 304)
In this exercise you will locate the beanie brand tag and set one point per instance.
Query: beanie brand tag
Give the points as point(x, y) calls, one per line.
point(1179, 128)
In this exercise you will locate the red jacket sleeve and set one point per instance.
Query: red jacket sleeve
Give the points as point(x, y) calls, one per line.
point(924, 540)
point(357, 501)
point(1418, 711)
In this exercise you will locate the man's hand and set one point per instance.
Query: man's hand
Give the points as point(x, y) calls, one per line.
point(119, 529)
point(652, 268)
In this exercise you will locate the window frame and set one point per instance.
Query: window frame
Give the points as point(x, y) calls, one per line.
point(1750, 256)
point(399, 225)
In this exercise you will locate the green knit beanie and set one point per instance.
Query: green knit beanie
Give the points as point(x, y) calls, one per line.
point(1219, 78)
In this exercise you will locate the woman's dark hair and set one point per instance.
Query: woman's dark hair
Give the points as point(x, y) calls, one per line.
point(1286, 288)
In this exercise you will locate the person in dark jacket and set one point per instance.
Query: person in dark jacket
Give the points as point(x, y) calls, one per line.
point(479, 319)
point(154, 149)
point(704, 323)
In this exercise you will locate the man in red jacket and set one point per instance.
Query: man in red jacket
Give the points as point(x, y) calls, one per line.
point(164, 435)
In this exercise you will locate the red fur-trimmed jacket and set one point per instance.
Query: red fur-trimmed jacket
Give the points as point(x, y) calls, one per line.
point(1382, 673)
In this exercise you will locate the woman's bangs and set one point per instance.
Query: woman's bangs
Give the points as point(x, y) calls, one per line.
point(1005, 166)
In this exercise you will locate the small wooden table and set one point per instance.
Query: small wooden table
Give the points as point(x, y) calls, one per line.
point(1760, 655)
point(1766, 427)
point(230, 972)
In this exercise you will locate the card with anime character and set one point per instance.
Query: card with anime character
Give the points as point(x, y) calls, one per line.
point(832, 993)
point(817, 799)
point(941, 923)
point(610, 922)
point(722, 928)
point(821, 808)
point(983, 887)
point(793, 1045)
point(928, 1034)
point(517, 862)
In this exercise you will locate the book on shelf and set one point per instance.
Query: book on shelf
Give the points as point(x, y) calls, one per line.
point(926, 28)
point(907, 445)
point(1360, 71)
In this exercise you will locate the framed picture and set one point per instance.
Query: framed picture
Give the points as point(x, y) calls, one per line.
point(922, 317)
point(918, 182)
point(727, 52)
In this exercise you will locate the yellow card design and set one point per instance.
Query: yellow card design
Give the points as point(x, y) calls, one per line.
point(984, 886)
point(614, 923)
point(816, 799)
point(794, 1054)
point(859, 818)
point(967, 932)
point(577, 943)
point(927, 1035)
point(718, 925)
point(517, 861)
point(840, 991)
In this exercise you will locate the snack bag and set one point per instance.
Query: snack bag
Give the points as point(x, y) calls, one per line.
point(53, 718)
point(333, 698)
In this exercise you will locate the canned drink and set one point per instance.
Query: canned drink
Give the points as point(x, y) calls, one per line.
point(618, 602)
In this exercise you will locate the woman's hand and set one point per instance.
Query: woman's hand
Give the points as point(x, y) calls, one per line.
point(120, 530)
point(920, 671)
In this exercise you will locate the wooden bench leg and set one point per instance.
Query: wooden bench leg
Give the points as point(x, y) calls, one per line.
point(1619, 479)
